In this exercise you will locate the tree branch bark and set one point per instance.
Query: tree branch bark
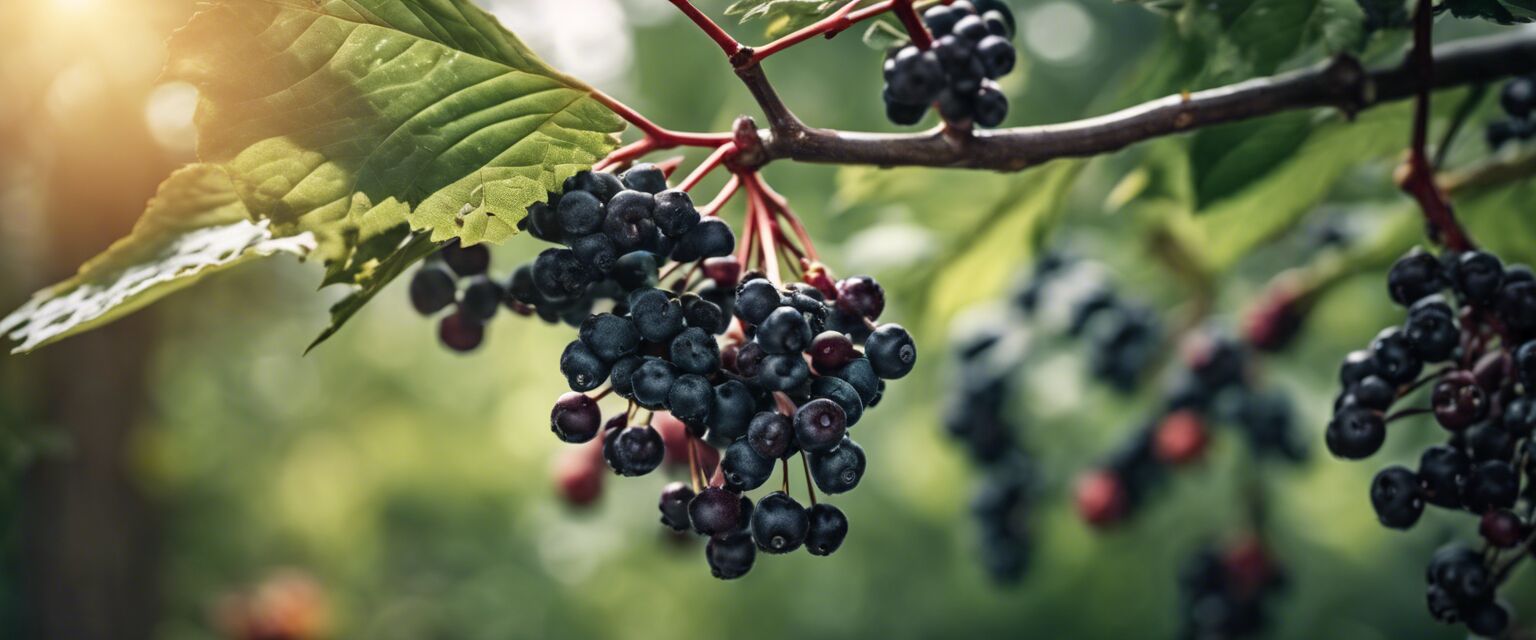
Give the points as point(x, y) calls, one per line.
point(1340, 83)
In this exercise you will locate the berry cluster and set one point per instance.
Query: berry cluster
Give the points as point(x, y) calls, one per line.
point(437, 285)
point(1123, 336)
point(977, 415)
point(1518, 100)
point(1222, 591)
point(1212, 385)
point(616, 231)
point(1481, 396)
point(972, 49)
point(789, 380)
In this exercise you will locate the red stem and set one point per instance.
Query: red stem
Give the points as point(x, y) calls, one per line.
point(729, 45)
point(757, 209)
point(748, 237)
point(730, 189)
point(828, 26)
point(914, 23)
point(720, 154)
point(1419, 181)
point(781, 204)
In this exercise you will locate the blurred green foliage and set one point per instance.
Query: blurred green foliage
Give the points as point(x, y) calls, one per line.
point(414, 485)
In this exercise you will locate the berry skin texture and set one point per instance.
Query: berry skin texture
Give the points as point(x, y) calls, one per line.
point(675, 214)
point(784, 331)
point(710, 238)
point(755, 300)
point(1393, 357)
point(839, 470)
point(610, 337)
point(1442, 470)
point(657, 316)
point(783, 372)
point(1487, 619)
point(580, 213)
point(674, 505)
point(770, 434)
point(1491, 485)
point(820, 425)
point(1395, 496)
point(1458, 401)
point(575, 418)
point(861, 296)
point(1502, 528)
point(733, 410)
point(652, 382)
point(1478, 276)
point(583, 370)
point(1101, 498)
point(638, 450)
point(1519, 419)
point(695, 351)
point(828, 528)
point(1355, 434)
point(432, 290)
point(482, 298)
point(730, 556)
point(1374, 393)
point(1525, 364)
point(831, 350)
point(997, 55)
point(460, 332)
point(843, 394)
point(1432, 332)
point(466, 261)
point(744, 469)
point(645, 177)
point(715, 511)
point(1181, 438)
point(1415, 275)
point(779, 523)
point(1356, 366)
point(692, 400)
point(891, 352)
point(861, 375)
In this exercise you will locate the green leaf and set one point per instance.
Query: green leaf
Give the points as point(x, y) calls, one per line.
point(883, 36)
point(384, 270)
point(193, 227)
point(1500, 11)
point(976, 267)
point(347, 118)
point(1246, 38)
point(1232, 227)
point(1225, 159)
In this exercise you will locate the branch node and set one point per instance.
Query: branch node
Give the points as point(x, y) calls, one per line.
point(1350, 84)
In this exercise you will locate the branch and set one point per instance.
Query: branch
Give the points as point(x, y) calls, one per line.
point(1341, 83)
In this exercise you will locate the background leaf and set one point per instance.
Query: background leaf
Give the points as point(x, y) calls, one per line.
point(194, 226)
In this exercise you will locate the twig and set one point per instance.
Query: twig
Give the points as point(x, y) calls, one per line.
point(1418, 177)
point(729, 45)
point(718, 156)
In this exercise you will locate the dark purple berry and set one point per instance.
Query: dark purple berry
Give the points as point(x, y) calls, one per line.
point(779, 523)
point(575, 418)
point(674, 505)
point(432, 290)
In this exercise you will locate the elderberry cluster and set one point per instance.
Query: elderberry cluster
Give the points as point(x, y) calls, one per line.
point(972, 48)
point(616, 232)
point(1212, 385)
point(1122, 335)
point(1223, 591)
point(1483, 398)
point(789, 381)
point(977, 416)
point(1518, 100)
point(437, 285)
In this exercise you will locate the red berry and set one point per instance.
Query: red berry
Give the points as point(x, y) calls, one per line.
point(674, 435)
point(1101, 499)
point(1181, 438)
point(1502, 528)
point(578, 478)
point(725, 271)
point(831, 350)
point(460, 332)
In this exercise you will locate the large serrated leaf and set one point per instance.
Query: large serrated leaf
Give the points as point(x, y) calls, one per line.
point(348, 117)
point(194, 226)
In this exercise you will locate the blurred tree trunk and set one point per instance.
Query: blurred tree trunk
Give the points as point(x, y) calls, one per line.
point(90, 537)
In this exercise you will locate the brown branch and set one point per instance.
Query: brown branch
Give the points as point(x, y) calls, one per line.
point(1341, 83)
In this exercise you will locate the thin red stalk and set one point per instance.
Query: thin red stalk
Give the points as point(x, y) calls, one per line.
point(759, 211)
point(626, 153)
point(714, 160)
point(1420, 179)
point(714, 206)
point(727, 44)
point(828, 26)
point(781, 204)
point(670, 165)
point(694, 473)
point(748, 237)
point(914, 24)
point(660, 137)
